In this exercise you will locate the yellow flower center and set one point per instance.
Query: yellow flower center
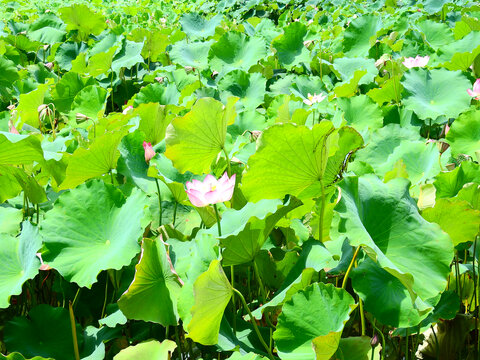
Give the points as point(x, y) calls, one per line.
point(213, 187)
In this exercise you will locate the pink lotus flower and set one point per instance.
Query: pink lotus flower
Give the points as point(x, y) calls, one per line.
point(476, 90)
point(149, 152)
point(313, 99)
point(211, 190)
point(418, 61)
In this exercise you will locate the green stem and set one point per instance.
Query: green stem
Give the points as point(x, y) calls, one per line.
point(255, 326)
point(74, 331)
point(437, 348)
point(260, 283)
point(175, 212)
point(321, 215)
point(383, 340)
point(38, 214)
point(159, 203)
point(362, 315)
point(111, 85)
point(218, 220)
point(394, 84)
point(345, 278)
point(229, 169)
point(180, 345)
point(406, 346)
point(105, 300)
point(232, 280)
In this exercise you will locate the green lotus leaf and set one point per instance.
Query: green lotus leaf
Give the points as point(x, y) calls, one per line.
point(48, 29)
point(67, 88)
point(357, 348)
point(8, 73)
point(361, 35)
point(90, 101)
point(289, 46)
point(18, 356)
point(437, 35)
point(155, 42)
point(19, 260)
point(347, 89)
point(33, 191)
point(394, 234)
point(464, 135)
point(67, 52)
point(293, 159)
point(28, 104)
point(100, 231)
point(317, 311)
point(456, 217)
point(235, 50)
point(95, 161)
point(157, 93)
point(250, 88)
point(10, 219)
point(347, 67)
point(154, 283)
point(194, 140)
point(436, 93)
point(361, 112)
point(249, 356)
point(9, 187)
point(101, 63)
point(471, 194)
point(46, 332)
point(385, 297)
point(212, 292)
point(193, 54)
point(448, 184)
point(151, 349)
point(19, 149)
point(80, 17)
point(128, 56)
point(389, 91)
point(194, 24)
point(460, 54)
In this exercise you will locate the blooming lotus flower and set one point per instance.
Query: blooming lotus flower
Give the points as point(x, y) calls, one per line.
point(149, 152)
point(210, 190)
point(476, 90)
point(313, 99)
point(418, 61)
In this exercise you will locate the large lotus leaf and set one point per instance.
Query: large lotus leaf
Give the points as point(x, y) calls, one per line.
point(250, 88)
point(67, 88)
point(194, 140)
point(456, 217)
point(151, 349)
point(394, 234)
point(471, 194)
point(361, 35)
point(100, 231)
point(212, 292)
point(27, 110)
point(156, 42)
point(8, 73)
point(194, 24)
point(349, 88)
point(90, 101)
point(128, 56)
point(437, 34)
point(67, 52)
point(292, 159)
point(318, 311)
point(10, 219)
point(460, 54)
point(101, 63)
point(243, 244)
point(95, 161)
point(464, 135)
point(389, 91)
point(46, 332)
point(235, 51)
point(157, 93)
point(448, 184)
point(9, 187)
point(346, 67)
point(47, 29)
point(385, 297)
point(34, 192)
point(18, 356)
point(80, 17)
point(357, 348)
point(154, 283)
point(289, 46)
point(18, 149)
point(436, 93)
point(193, 54)
point(361, 112)
point(19, 261)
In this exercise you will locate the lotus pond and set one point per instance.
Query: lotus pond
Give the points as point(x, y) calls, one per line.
point(239, 180)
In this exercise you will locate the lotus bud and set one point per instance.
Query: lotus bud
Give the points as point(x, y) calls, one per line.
point(160, 79)
point(149, 152)
point(81, 117)
point(49, 65)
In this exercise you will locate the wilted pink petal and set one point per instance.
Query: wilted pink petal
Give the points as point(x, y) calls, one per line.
point(127, 110)
point(418, 61)
point(149, 152)
point(476, 90)
point(11, 128)
point(211, 190)
point(49, 65)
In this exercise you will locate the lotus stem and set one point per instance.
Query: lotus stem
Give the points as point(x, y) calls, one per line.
point(74, 331)
point(259, 280)
point(321, 215)
point(345, 278)
point(175, 212)
point(159, 203)
point(255, 326)
point(218, 220)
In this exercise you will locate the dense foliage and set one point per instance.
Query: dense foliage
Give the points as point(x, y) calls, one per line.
point(239, 179)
